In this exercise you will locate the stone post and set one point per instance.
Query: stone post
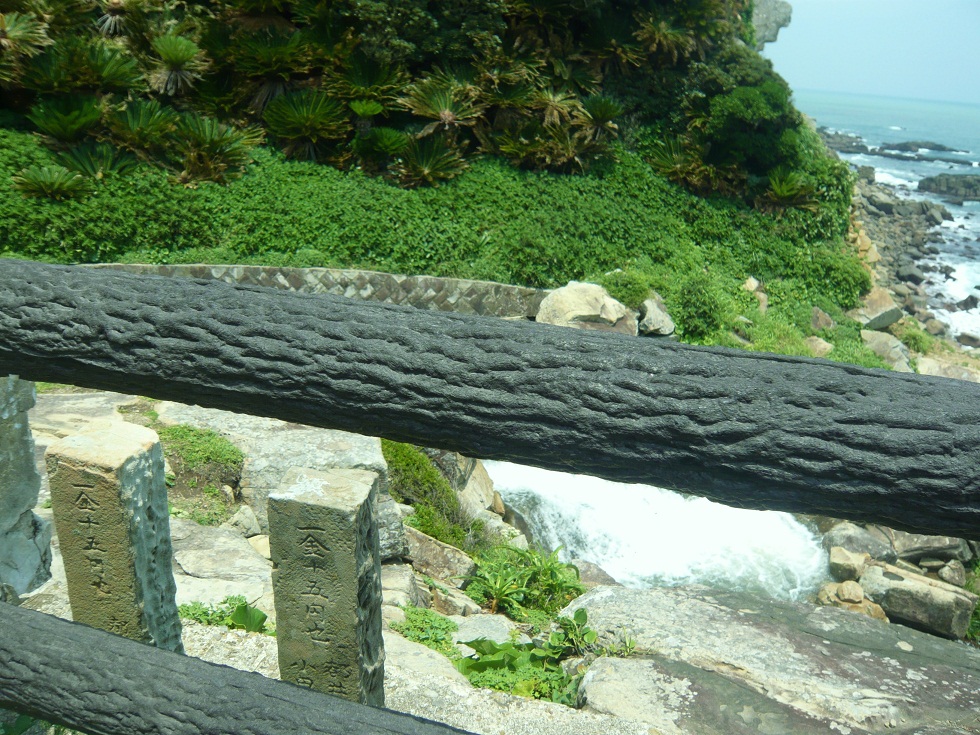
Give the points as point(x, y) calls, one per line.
point(25, 539)
point(327, 582)
point(110, 509)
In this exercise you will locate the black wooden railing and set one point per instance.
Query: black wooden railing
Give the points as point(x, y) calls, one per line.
point(747, 429)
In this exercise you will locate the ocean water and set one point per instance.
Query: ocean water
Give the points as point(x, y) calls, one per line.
point(881, 120)
point(646, 536)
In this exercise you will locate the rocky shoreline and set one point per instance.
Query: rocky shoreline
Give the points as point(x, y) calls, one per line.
point(899, 236)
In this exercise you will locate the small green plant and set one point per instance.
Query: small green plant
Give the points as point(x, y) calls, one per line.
point(912, 336)
point(66, 120)
point(97, 160)
point(233, 612)
point(430, 629)
point(533, 669)
point(516, 581)
point(22, 724)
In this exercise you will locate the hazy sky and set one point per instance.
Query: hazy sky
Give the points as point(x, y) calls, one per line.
point(917, 49)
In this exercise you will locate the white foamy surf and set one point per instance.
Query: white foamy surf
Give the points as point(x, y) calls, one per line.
point(645, 536)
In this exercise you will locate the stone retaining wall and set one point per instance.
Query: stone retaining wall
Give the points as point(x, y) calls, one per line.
point(483, 298)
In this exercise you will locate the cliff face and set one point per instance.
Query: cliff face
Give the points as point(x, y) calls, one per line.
point(768, 17)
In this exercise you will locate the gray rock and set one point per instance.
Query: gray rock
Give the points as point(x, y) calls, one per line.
point(502, 531)
point(930, 366)
point(953, 573)
point(877, 311)
point(768, 17)
point(914, 546)
point(391, 529)
point(399, 587)
point(888, 348)
point(440, 561)
point(654, 319)
point(592, 575)
point(760, 665)
point(450, 601)
point(968, 340)
point(859, 540)
point(244, 521)
point(220, 645)
point(586, 306)
point(419, 659)
point(212, 563)
point(494, 628)
point(818, 347)
point(847, 565)
point(911, 273)
point(915, 600)
point(820, 320)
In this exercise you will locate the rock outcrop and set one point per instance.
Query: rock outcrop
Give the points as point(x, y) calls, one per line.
point(586, 306)
point(961, 187)
point(726, 662)
point(769, 17)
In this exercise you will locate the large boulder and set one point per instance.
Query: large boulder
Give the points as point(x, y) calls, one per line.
point(654, 319)
point(877, 311)
point(768, 17)
point(915, 546)
point(729, 662)
point(888, 348)
point(586, 306)
point(438, 560)
point(859, 540)
point(919, 601)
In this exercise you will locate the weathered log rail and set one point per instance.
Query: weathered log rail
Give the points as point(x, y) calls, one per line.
point(103, 684)
point(747, 429)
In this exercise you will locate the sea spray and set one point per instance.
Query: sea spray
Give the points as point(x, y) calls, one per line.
point(646, 536)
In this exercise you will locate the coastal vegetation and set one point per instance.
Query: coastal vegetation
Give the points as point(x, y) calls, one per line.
point(638, 143)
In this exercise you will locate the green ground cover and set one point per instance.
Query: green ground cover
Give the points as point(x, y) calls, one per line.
point(626, 227)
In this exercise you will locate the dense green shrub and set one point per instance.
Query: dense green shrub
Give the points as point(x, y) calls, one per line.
point(413, 479)
point(519, 581)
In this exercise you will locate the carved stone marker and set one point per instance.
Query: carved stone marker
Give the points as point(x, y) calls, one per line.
point(25, 539)
point(110, 509)
point(327, 581)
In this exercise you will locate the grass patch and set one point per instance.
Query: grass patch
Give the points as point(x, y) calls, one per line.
point(415, 480)
point(430, 629)
point(202, 463)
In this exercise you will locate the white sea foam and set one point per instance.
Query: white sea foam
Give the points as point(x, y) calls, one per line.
point(890, 179)
point(646, 536)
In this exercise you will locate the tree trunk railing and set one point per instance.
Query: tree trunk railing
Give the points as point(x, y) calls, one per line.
point(94, 681)
point(746, 429)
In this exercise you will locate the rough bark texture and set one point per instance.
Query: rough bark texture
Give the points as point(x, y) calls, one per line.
point(85, 678)
point(747, 429)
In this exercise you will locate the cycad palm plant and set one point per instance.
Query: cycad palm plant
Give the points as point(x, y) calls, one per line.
point(557, 107)
point(143, 126)
point(54, 182)
point(429, 160)
point(179, 63)
point(97, 160)
point(66, 120)
point(209, 150)
point(366, 78)
point(450, 108)
point(269, 60)
point(595, 118)
point(305, 122)
point(22, 36)
point(664, 38)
